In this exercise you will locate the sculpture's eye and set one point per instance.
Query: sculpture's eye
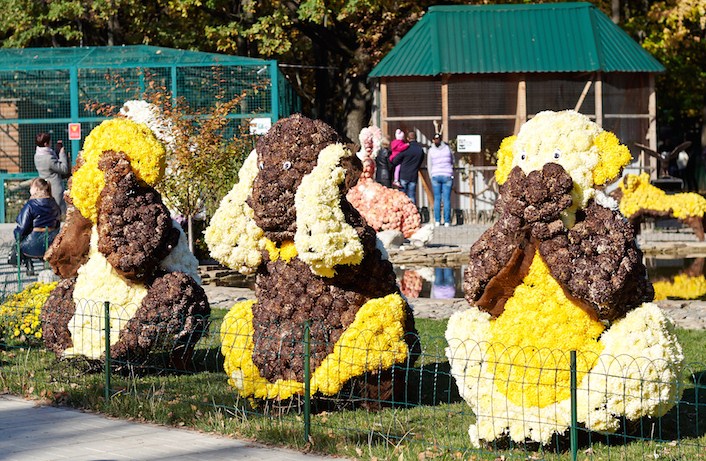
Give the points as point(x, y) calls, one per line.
point(523, 156)
point(557, 153)
point(286, 165)
point(261, 165)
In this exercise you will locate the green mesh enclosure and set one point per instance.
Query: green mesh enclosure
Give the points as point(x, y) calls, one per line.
point(45, 89)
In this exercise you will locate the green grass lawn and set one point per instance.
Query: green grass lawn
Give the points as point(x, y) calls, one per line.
point(431, 422)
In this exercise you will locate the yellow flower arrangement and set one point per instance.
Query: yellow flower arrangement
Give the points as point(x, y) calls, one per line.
point(639, 194)
point(233, 237)
point(682, 286)
point(323, 237)
point(505, 156)
point(96, 283)
point(145, 152)
point(518, 385)
point(20, 313)
point(375, 340)
point(517, 379)
point(534, 370)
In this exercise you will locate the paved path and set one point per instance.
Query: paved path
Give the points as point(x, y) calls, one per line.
point(32, 432)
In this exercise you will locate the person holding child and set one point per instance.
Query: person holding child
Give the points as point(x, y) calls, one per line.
point(409, 161)
point(396, 147)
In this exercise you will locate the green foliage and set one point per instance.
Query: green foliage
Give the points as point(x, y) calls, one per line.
point(209, 147)
point(674, 31)
point(332, 46)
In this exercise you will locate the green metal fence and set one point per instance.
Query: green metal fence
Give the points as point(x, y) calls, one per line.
point(427, 419)
point(46, 89)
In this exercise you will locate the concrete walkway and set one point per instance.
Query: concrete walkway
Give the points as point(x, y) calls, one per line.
point(33, 432)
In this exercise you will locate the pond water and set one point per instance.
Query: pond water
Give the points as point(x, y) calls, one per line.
point(673, 278)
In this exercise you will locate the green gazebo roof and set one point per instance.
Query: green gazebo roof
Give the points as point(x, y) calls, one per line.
point(555, 37)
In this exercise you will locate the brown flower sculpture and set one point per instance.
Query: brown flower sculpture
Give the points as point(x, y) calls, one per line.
point(560, 271)
point(119, 245)
point(288, 221)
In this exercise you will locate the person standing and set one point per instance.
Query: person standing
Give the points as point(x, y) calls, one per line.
point(383, 167)
point(410, 160)
point(52, 166)
point(441, 170)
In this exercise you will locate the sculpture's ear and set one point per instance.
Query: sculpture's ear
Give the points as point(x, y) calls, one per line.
point(324, 239)
point(613, 156)
point(505, 156)
point(233, 237)
point(354, 168)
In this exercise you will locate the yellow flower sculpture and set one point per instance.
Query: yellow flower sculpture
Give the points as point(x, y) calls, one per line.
point(640, 198)
point(119, 245)
point(681, 287)
point(560, 271)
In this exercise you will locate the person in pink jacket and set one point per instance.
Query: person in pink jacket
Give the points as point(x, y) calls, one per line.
point(396, 146)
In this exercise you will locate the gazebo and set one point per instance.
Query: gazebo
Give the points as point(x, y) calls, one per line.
point(483, 70)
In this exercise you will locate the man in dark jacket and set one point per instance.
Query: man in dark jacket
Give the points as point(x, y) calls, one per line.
point(410, 160)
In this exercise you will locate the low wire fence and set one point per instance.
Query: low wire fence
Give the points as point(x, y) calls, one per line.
point(412, 410)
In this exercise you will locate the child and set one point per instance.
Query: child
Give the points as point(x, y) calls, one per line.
point(396, 146)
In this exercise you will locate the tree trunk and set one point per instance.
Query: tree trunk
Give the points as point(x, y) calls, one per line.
point(190, 227)
point(357, 108)
point(322, 80)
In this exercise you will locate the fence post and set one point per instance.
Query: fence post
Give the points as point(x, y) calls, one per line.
point(307, 380)
point(46, 245)
point(18, 260)
point(106, 310)
point(574, 416)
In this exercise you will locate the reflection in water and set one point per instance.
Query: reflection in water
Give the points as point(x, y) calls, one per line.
point(411, 284)
point(675, 278)
point(688, 283)
point(444, 285)
point(427, 282)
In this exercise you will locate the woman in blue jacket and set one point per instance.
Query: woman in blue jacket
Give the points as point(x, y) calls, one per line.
point(38, 221)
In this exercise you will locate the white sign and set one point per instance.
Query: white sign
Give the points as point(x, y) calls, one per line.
point(260, 125)
point(468, 143)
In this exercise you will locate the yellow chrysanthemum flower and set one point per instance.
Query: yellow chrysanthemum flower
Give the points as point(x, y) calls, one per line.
point(373, 341)
point(144, 151)
point(19, 315)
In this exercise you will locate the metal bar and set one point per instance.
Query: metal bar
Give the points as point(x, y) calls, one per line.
point(307, 380)
point(19, 265)
point(574, 417)
point(274, 91)
point(73, 95)
point(106, 306)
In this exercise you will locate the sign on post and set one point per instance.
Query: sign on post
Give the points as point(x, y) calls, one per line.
point(74, 131)
point(468, 143)
point(260, 125)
